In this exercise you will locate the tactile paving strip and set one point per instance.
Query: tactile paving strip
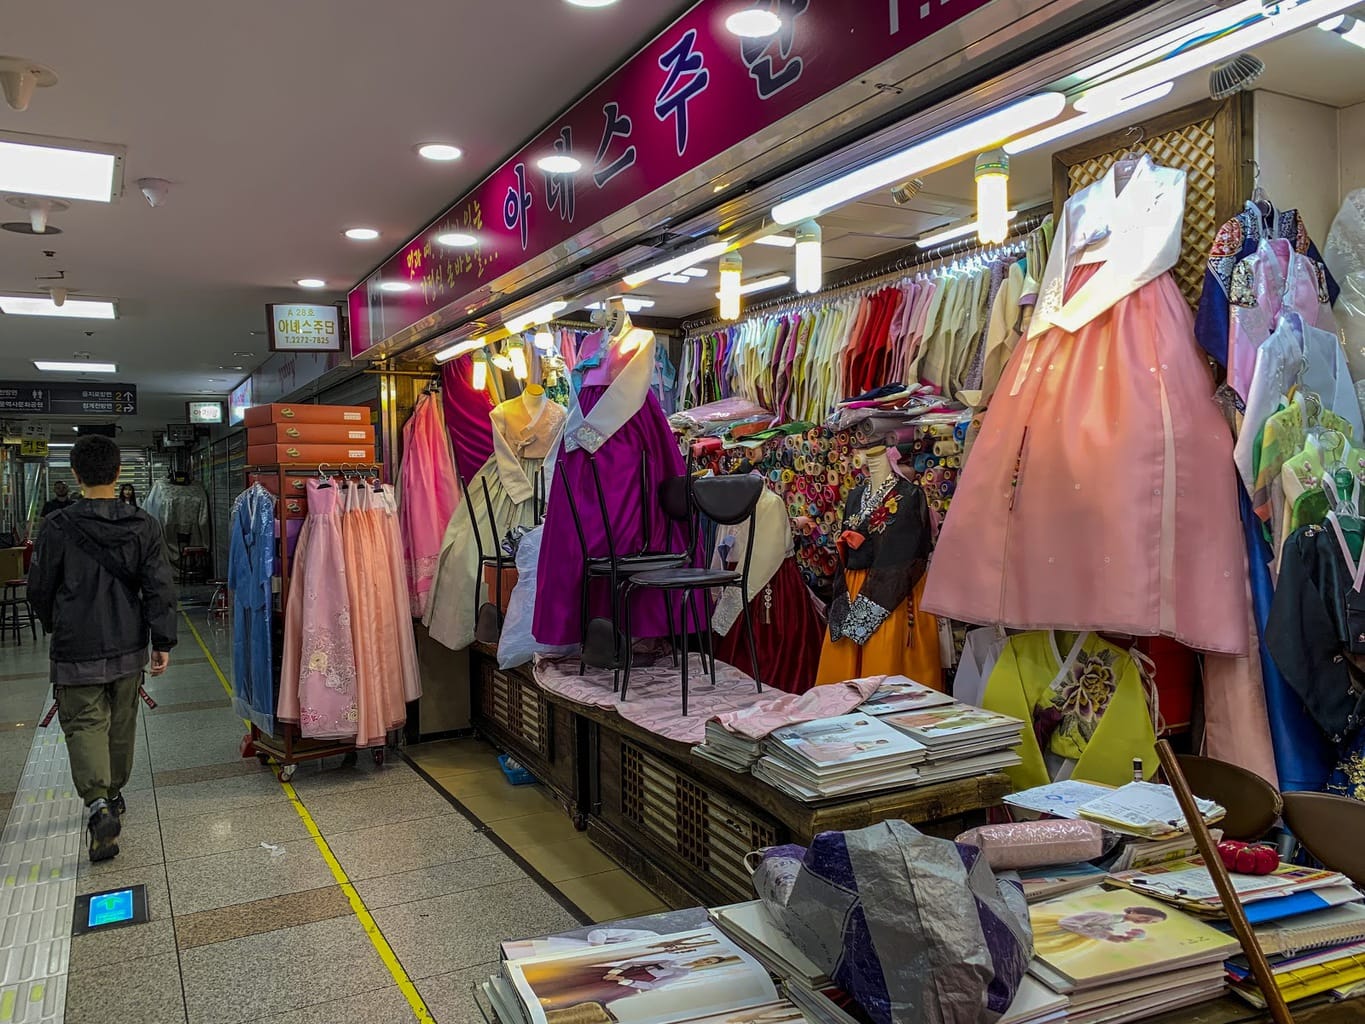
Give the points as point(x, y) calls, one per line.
point(39, 853)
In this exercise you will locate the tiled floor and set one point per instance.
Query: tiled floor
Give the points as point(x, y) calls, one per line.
point(529, 822)
point(241, 933)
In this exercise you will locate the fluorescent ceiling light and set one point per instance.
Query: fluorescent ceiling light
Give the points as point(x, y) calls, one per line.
point(695, 272)
point(1115, 95)
point(77, 367)
point(763, 284)
point(1347, 27)
point(460, 348)
point(395, 286)
point(677, 264)
point(560, 163)
point(944, 148)
point(776, 241)
point(456, 240)
point(1210, 25)
point(543, 314)
point(362, 234)
point(311, 282)
point(439, 151)
point(590, 3)
point(631, 304)
point(753, 24)
point(36, 165)
point(61, 444)
point(929, 241)
point(42, 305)
point(1081, 122)
point(676, 279)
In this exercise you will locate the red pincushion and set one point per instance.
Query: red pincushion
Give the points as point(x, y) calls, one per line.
point(1249, 858)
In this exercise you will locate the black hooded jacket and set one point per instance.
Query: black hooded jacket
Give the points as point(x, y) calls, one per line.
point(91, 612)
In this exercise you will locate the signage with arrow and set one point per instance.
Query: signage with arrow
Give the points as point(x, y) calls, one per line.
point(76, 399)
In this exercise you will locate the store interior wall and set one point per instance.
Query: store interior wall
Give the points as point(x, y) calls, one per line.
point(1310, 151)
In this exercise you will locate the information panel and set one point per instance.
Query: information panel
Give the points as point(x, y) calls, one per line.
point(76, 399)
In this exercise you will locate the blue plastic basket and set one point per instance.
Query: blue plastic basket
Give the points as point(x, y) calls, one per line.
point(516, 774)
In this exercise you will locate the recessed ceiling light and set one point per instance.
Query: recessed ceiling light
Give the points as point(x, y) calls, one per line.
point(67, 169)
point(362, 234)
point(215, 380)
point(231, 367)
point(79, 367)
point(590, 3)
point(439, 151)
point(42, 305)
point(244, 355)
point(456, 240)
point(754, 24)
point(560, 163)
point(311, 282)
point(395, 286)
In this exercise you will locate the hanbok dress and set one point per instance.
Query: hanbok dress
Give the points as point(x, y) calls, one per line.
point(524, 435)
point(466, 416)
point(617, 421)
point(428, 494)
point(251, 567)
point(1100, 493)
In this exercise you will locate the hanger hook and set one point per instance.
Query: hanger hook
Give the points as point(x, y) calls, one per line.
point(1139, 130)
point(1255, 168)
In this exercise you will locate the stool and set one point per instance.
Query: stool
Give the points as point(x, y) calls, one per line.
point(194, 565)
point(218, 603)
point(15, 610)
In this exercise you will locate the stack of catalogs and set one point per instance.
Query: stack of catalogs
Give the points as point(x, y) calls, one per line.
point(728, 749)
point(1118, 956)
point(753, 928)
point(961, 740)
point(898, 693)
point(832, 757)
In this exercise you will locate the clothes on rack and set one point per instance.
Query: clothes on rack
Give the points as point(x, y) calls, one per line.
point(427, 495)
point(466, 416)
point(526, 430)
point(251, 571)
point(183, 511)
point(1102, 430)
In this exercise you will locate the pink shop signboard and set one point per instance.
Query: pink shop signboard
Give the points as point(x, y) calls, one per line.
point(693, 92)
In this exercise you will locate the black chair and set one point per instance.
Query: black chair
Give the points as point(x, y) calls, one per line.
point(727, 501)
point(487, 616)
point(601, 644)
point(16, 611)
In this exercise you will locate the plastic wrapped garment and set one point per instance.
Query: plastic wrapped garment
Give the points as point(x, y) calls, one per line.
point(918, 930)
point(183, 511)
point(517, 646)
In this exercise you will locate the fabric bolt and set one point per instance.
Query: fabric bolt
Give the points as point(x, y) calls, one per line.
point(466, 416)
point(428, 495)
point(251, 568)
point(1103, 428)
point(318, 682)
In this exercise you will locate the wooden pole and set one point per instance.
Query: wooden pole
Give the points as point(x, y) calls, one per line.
point(1232, 905)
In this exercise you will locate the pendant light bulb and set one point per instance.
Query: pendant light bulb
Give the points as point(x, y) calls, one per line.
point(545, 341)
point(479, 382)
point(809, 258)
point(518, 357)
point(731, 269)
point(992, 196)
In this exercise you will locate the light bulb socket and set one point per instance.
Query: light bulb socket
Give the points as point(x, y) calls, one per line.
point(994, 162)
point(808, 231)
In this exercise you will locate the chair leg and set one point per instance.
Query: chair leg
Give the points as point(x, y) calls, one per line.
point(697, 622)
point(753, 647)
point(672, 641)
point(708, 637)
point(626, 592)
point(686, 604)
point(583, 620)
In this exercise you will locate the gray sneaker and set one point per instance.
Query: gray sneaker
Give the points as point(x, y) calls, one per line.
point(103, 829)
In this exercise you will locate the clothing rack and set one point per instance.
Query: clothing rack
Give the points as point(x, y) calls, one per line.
point(1020, 228)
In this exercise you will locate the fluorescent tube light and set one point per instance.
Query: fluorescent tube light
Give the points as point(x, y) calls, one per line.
point(80, 366)
point(544, 314)
point(944, 148)
point(809, 257)
point(42, 305)
point(1053, 132)
point(1348, 28)
point(776, 241)
point(675, 279)
point(677, 264)
point(762, 284)
point(629, 302)
point(37, 165)
point(929, 241)
point(695, 272)
point(1114, 95)
point(1210, 25)
point(460, 348)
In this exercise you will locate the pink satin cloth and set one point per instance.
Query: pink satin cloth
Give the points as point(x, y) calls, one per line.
point(776, 712)
point(429, 495)
point(1101, 492)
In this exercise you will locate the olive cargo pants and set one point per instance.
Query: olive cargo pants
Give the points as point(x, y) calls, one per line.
point(100, 723)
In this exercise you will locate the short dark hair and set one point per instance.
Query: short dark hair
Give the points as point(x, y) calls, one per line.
point(95, 460)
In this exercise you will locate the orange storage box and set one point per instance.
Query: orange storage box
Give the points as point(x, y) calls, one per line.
point(261, 415)
point(311, 433)
point(309, 454)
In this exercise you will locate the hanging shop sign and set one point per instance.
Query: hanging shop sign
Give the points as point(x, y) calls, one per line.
point(33, 447)
point(68, 399)
point(179, 434)
point(208, 413)
point(299, 327)
point(240, 401)
point(692, 93)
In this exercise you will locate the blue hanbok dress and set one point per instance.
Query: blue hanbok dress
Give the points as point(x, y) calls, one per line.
point(251, 567)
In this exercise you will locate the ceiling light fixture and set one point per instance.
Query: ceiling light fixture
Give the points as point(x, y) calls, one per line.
point(1114, 94)
point(810, 266)
point(479, 380)
point(1083, 121)
point(731, 269)
point(460, 348)
point(20, 77)
point(395, 286)
point(676, 279)
point(992, 174)
point(47, 366)
point(544, 340)
point(441, 152)
point(1348, 28)
point(590, 3)
point(541, 315)
point(776, 241)
point(518, 357)
point(39, 210)
point(311, 282)
point(677, 264)
point(456, 240)
point(560, 163)
point(945, 148)
point(629, 302)
point(694, 272)
point(756, 23)
point(39, 165)
point(45, 305)
point(763, 284)
point(361, 234)
point(947, 235)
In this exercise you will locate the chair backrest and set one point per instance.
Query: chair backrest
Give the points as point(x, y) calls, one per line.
point(1329, 827)
point(727, 500)
point(1253, 805)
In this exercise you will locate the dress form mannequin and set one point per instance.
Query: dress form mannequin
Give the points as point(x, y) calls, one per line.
point(878, 464)
point(534, 399)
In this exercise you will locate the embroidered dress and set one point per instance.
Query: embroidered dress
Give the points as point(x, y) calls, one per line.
point(251, 567)
point(1100, 493)
point(318, 673)
point(428, 495)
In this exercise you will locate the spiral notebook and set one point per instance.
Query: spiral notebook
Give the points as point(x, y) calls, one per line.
point(1315, 931)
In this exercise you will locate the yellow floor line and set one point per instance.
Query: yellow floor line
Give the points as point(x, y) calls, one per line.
point(362, 912)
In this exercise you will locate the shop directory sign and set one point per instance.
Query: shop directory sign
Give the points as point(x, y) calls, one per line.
point(76, 399)
point(691, 94)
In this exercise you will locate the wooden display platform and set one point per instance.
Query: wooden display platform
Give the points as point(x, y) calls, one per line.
point(680, 824)
point(1231, 1010)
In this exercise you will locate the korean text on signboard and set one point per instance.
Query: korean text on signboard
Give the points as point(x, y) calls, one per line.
point(68, 399)
point(691, 94)
point(296, 327)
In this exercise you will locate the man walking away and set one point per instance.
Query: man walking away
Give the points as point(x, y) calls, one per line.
point(62, 500)
point(101, 585)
